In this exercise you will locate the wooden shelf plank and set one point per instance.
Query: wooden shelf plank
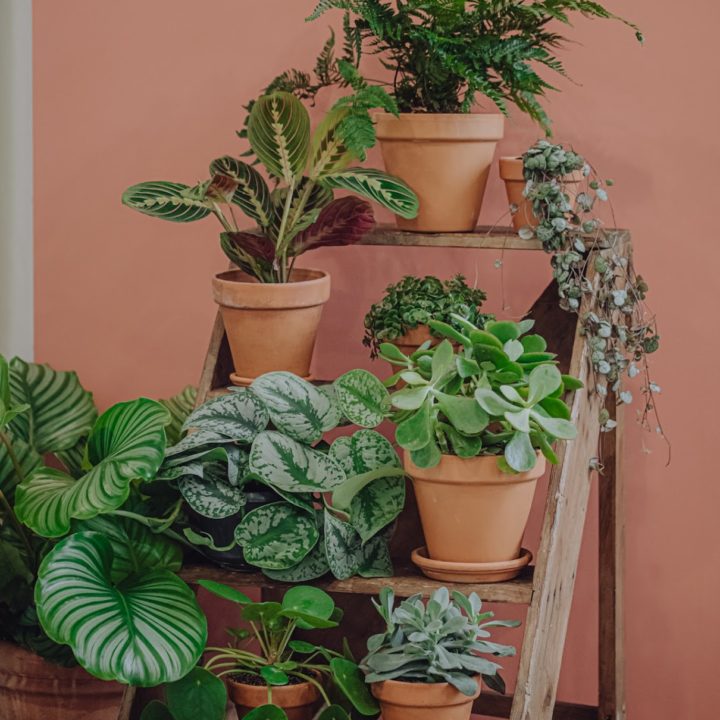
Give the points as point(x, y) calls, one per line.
point(406, 583)
point(491, 705)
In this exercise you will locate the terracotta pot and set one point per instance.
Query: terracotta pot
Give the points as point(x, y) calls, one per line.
point(414, 338)
point(271, 326)
point(300, 702)
point(470, 511)
point(445, 159)
point(422, 701)
point(34, 689)
point(511, 171)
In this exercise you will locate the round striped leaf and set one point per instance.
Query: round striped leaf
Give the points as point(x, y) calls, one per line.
point(384, 189)
point(127, 443)
point(167, 200)
point(179, 406)
point(296, 407)
point(144, 631)
point(277, 536)
point(211, 499)
point(239, 416)
point(288, 465)
point(29, 461)
point(363, 399)
point(251, 194)
point(279, 134)
point(60, 412)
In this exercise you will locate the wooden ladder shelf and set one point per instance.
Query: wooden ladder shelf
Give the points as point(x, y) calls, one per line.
point(548, 586)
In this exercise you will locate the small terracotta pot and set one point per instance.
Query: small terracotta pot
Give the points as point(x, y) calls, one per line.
point(470, 511)
point(271, 326)
point(34, 689)
point(300, 702)
point(511, 171)
point(414, 338)
point(445, 159)
point(422, 701)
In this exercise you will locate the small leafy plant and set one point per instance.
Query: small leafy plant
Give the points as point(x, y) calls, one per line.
point(442, 640)
point(414, 301)
point(443, 54)
point(299, 213)
point(281, 657)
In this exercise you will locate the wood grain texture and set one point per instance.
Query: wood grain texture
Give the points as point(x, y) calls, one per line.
point(491, 705)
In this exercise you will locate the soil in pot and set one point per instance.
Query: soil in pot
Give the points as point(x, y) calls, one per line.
point(299, 700)
point(271, 326)
point(422, 701)
point(34, 689)
point(446, 160)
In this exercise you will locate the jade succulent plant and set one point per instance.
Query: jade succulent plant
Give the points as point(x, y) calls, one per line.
point(441, 640)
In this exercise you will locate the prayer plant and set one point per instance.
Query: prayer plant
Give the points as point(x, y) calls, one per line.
point(299, 213)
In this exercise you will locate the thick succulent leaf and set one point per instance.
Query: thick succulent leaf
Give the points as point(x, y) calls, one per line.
point(464, 413)
point(28, 459)
point(343, 222)
point(364, 400)
point(328, 154)
point(239, 416)
point(288, 465)
point(519, 452)
point(279, 134)
point(127, 443)
point(277, 536)
point(314, 565)
point(179, 406)
point(557, 427)
point(60, 412)
point(167, 200)
point(296, 407)
point(251, 191)
point(145, 631)
point(211, 499)
point(386, 190)
point(416, 432)
point(543, 381)
point(200, 694)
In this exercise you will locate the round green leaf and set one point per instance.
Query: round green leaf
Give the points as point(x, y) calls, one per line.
point(542, 382)
point(363, 398)
point(200, 694)
point(266, 712)
point(519, 452)
point(273, 676)
point(503, 330)
point(167, 200)
point(145, 631)
point(309, 601)
point(350, 680)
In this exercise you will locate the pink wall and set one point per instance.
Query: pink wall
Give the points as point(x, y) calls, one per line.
point(142, 90)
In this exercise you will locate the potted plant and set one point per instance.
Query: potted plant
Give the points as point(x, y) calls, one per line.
point(270, 308)
point(476, 425)
point(79, 539)
point(334, 504)
point(402, 316)
point(428, 663)
point(271, 667)
point(442, 56)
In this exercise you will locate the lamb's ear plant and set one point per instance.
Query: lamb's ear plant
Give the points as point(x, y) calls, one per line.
point(441, 640)
point(299, 213)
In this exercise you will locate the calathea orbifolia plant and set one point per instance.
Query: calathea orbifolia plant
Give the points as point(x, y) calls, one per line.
point(499, 394)
point(442, 640)
point(620, 329)
point(336, 503)
point(299, 214)
point(92, 565)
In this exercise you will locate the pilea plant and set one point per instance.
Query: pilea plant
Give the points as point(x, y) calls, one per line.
point(442, 55)
point(442, 640)
point(414, 301)
point(336, 502)
point(299, 214)
point(620, 329)
point(499, 394)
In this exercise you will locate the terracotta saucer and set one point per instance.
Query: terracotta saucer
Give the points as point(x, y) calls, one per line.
point(241, 381)
point(463, 572)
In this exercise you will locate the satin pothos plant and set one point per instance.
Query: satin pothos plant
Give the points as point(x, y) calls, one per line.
point(299, 213)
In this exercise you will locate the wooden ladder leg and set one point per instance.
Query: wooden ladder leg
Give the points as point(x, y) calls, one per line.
point(611, 569)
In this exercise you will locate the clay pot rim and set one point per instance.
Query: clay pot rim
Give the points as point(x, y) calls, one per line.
point(237, 276)
point(420, 557)
point(440, 127)
point(305, 691)
point(394, 688)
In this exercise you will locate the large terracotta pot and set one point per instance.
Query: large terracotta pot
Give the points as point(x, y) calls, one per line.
point(445, 159)
point(33, 689)
point(300, 702)
point(470, 511)
point(271, 326)
point(511, 171)
point(422, 701)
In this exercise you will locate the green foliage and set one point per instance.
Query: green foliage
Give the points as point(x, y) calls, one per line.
point(438, 641)
point(620, 329)
point(280, 656)
point(442, 53)
point(414, 301)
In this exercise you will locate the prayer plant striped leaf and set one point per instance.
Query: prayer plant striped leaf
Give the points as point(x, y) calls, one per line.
point(252, 194)
point(296, 407)
point(61, 412)
point(239, 416)
point(28, 459)
point(363, 399)
point(211, 499)
point(144, 631)
point(328, 154)
point(168, 200)
point(386, 190)
point(277, 536)
point(127, 443)
point(179, 406)
point(288, 465)
point(279, 134)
